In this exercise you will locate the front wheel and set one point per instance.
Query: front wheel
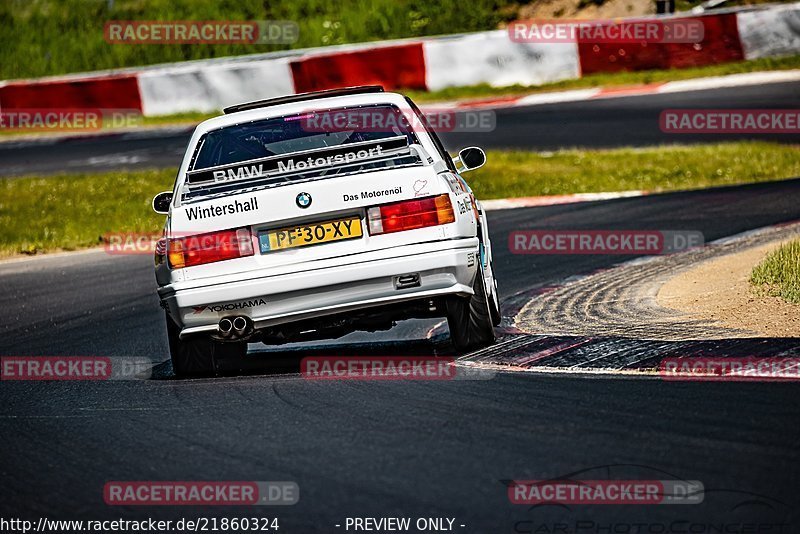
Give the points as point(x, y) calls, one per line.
point(195, 356)
point(470, 319)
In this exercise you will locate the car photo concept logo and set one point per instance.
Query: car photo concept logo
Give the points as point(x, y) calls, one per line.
point(303, 200)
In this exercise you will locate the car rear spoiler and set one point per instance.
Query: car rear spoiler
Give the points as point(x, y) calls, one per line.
point(301, 97)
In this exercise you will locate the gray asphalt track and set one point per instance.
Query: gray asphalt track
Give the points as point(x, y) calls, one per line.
point(613, 122)
point(365, 448)
point(410, 449)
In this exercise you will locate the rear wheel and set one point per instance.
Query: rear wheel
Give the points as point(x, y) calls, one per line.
point(494, 301)
point(490, 284)
point(195, 356)
point(470, 319)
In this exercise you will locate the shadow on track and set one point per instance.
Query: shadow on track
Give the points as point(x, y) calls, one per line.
point(275, 360)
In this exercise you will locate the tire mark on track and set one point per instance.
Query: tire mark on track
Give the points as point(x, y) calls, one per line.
point(609, 320)
point(621, 301)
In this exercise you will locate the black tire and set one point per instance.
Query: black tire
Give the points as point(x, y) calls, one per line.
point(470, 319)
point(196, 356)
point(494, 308)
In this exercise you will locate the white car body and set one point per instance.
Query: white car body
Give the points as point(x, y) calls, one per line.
point(292, 285)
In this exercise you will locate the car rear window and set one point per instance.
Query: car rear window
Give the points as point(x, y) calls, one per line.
point(300, 132)
point(322, 143)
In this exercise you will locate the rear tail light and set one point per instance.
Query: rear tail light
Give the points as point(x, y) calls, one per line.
point(208, 248)
point(410, 215)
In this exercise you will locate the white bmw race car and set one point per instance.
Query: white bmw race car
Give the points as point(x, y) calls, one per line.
point(314, 215)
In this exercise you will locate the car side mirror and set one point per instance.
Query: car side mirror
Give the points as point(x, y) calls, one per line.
point(161, 202)
point(470, 158)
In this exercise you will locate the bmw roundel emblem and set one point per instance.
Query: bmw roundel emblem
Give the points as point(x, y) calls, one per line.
point(303, 200)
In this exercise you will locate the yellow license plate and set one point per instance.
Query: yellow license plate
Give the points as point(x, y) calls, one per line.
point(309, 234)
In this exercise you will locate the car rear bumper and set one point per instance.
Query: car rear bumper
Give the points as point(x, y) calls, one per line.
point(359, 281)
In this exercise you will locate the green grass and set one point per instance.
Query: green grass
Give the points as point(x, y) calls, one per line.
point(46, 37)
point(779, 273)
point(74, 211)
point(49, 37)
point(666, 168)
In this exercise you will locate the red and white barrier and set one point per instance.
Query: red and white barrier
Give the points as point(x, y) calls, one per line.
point(432, 63)
point(110, 91)
point(394, 67)
point(720, 44)
point(770, 32)
point(201, 87)
point(494, 59)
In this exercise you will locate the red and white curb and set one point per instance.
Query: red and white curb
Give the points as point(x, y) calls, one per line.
point(580, 95)
point(516, 302)
point(553, 200)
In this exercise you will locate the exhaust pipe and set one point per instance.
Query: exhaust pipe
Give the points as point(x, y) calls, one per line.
point(225, 327)
point(233, 328)
point(240, 325)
